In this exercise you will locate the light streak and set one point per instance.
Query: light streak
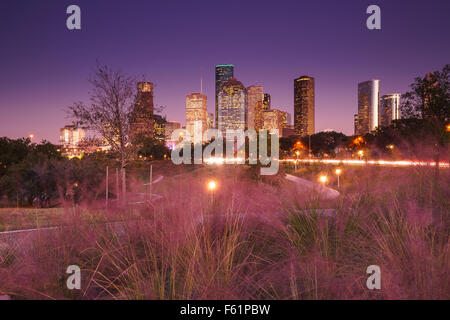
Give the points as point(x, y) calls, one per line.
point(387, 163)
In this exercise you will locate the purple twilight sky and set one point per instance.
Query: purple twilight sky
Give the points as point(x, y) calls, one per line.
point(44, 67)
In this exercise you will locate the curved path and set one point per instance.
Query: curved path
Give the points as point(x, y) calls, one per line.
point(306, 185)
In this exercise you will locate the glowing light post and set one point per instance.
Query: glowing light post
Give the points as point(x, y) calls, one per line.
point(31, 136)
point(338, 173)
point(212, 185)
point(360, 153)
point(323, 179)
point(297, 153)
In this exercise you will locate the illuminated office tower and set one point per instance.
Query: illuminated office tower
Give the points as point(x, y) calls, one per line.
point(71, 137)
point(356, 124)
point(196, 111)
point(141, 120)
point(389, 109)
point(223, 73)
point(255, 97)
point(368, 100)
point(274, 120)
point(285, 119)
point(232, 110)
point(267, 102)
point(304, 104)
point(170, 127)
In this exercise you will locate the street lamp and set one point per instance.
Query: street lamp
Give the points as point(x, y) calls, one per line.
point(360, 153)
point(297, 153)
point(323, 179)
point(338, 173)
point(31, 136)
point(212, 185)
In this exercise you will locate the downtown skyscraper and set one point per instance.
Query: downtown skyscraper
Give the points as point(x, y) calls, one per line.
point(196, 111)
point(232, 110)
point(368, 100)
point(255, 98)
point(304, 105)
point(223, 73)
point(389, 109)
point(141, 120)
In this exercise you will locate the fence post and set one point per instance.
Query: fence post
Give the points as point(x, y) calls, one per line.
point(151, 181)
point(124, 183)
point(107, 186)
point(117, 184)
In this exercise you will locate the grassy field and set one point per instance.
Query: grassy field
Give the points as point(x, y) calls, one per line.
point(254, 238)
point(28, 218)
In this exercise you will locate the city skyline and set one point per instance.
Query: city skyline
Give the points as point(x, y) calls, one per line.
point(46, 66)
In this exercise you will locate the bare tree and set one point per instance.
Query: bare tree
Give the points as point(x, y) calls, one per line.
point(111, 101)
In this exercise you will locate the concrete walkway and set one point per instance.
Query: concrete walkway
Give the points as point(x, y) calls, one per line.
point(309, 186)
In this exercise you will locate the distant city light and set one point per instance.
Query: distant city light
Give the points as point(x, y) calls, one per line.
point(358, 140)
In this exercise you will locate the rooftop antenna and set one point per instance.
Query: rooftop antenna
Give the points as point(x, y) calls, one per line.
point(201, 80)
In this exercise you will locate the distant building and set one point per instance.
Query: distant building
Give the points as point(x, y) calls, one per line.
point(356, 124)
point(284, 119)
point(288, 119)
point(274, 120)
point(255, 97)
point(223, 73)
point(159, 128)
point(287, 132)
point(74, 143)
point(71, 137)
point(389, 109)
point(267, 102)
point(210, 121)
point(196, 111)
point(368, 100)
point(304, 105)
point(170, 127)
point(141, 120)
point(232, 112)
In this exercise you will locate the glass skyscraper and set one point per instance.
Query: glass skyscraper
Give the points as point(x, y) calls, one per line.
point(368, 100)
point(223, 73)
point(304, 104)
point(255, 97)
point(389, 109)
point(141, 122)
point(232, 111)
point(196, 111)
